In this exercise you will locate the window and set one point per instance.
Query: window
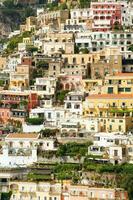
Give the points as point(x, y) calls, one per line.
point(123, 104)
point(115, 152)
point(58, 115)
point(110, 90)
point(68, 105)
point(49, 115)
point(127, 89)
point(120, 89)
point(74, 60)
point(119, 128)
point(83, 60)
point(113, 104)
point(110, 81)
point(54, 67)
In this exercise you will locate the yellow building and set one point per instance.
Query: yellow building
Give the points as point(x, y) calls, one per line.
point(99, 64)
point(113, 111)
point(92, 85)
point(119, 83)
point(35, 190)
point(20, 78)
point(3, 62)
point(27, 41)
point(30, 24)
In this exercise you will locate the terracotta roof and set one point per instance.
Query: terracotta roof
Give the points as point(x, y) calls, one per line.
point(23, 135)
point(123, 74)
point(110, 96)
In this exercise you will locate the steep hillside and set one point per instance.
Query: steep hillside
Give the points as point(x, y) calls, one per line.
point(10, 19)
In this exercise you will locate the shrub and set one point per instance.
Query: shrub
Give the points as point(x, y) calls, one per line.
point(35, 121)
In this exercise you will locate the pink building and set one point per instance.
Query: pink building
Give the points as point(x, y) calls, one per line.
point(70, 82)
point(105, 15)
point(84, 192)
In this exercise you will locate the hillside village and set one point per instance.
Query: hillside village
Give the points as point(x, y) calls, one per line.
point(66, 102)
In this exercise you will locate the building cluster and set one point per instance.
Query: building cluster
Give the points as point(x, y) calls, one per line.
point(73, 73)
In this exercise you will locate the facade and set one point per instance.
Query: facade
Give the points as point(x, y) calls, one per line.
point(19, 103)
point(73, 102)
point(40, 190)
point(113, 147)
point(114, 111)
point(45, 86)
point(53, 18)
point(105, 15)
point(84, 192)
point(52, 116)
point(30, 24)
point(3, 63)
point(95, 41)
point(120, 83)
point(93, 65)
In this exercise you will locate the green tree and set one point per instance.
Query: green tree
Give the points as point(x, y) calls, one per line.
point(31, 49)
point(63, 6)
point(127, 184)
point(60, 96)
point(42, 64)
point(84, 50)
point(9, 4)
point(130, 48)
point(84, 3)
point(76, 49)
point(35, 121)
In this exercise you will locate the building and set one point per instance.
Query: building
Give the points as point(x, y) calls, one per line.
point(82, 192)
point(114, 111)
point(95, 41)
point(75, 26)
point(3, 63)
point(73, 102)
point(34, 190)
point(105, 15)
point(19, 104)
point(110, 146)
point(53, 19)
point(80, 13)
point(54, 47)
point(120, 83)
point(53, 116)
point(45, 86)
point(93, 65)
point(30, 24)
point(16, 152)
point(22, 149)
point(19, 79)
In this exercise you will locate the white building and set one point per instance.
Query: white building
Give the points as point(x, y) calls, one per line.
point(95, 41)
point(13, 62)
point(19, 150)
point(111, 146)
point(80, 13)
point(52, 116)
point(45, 86)
point(14, 33)
point(73, 102)
point(74, 25)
